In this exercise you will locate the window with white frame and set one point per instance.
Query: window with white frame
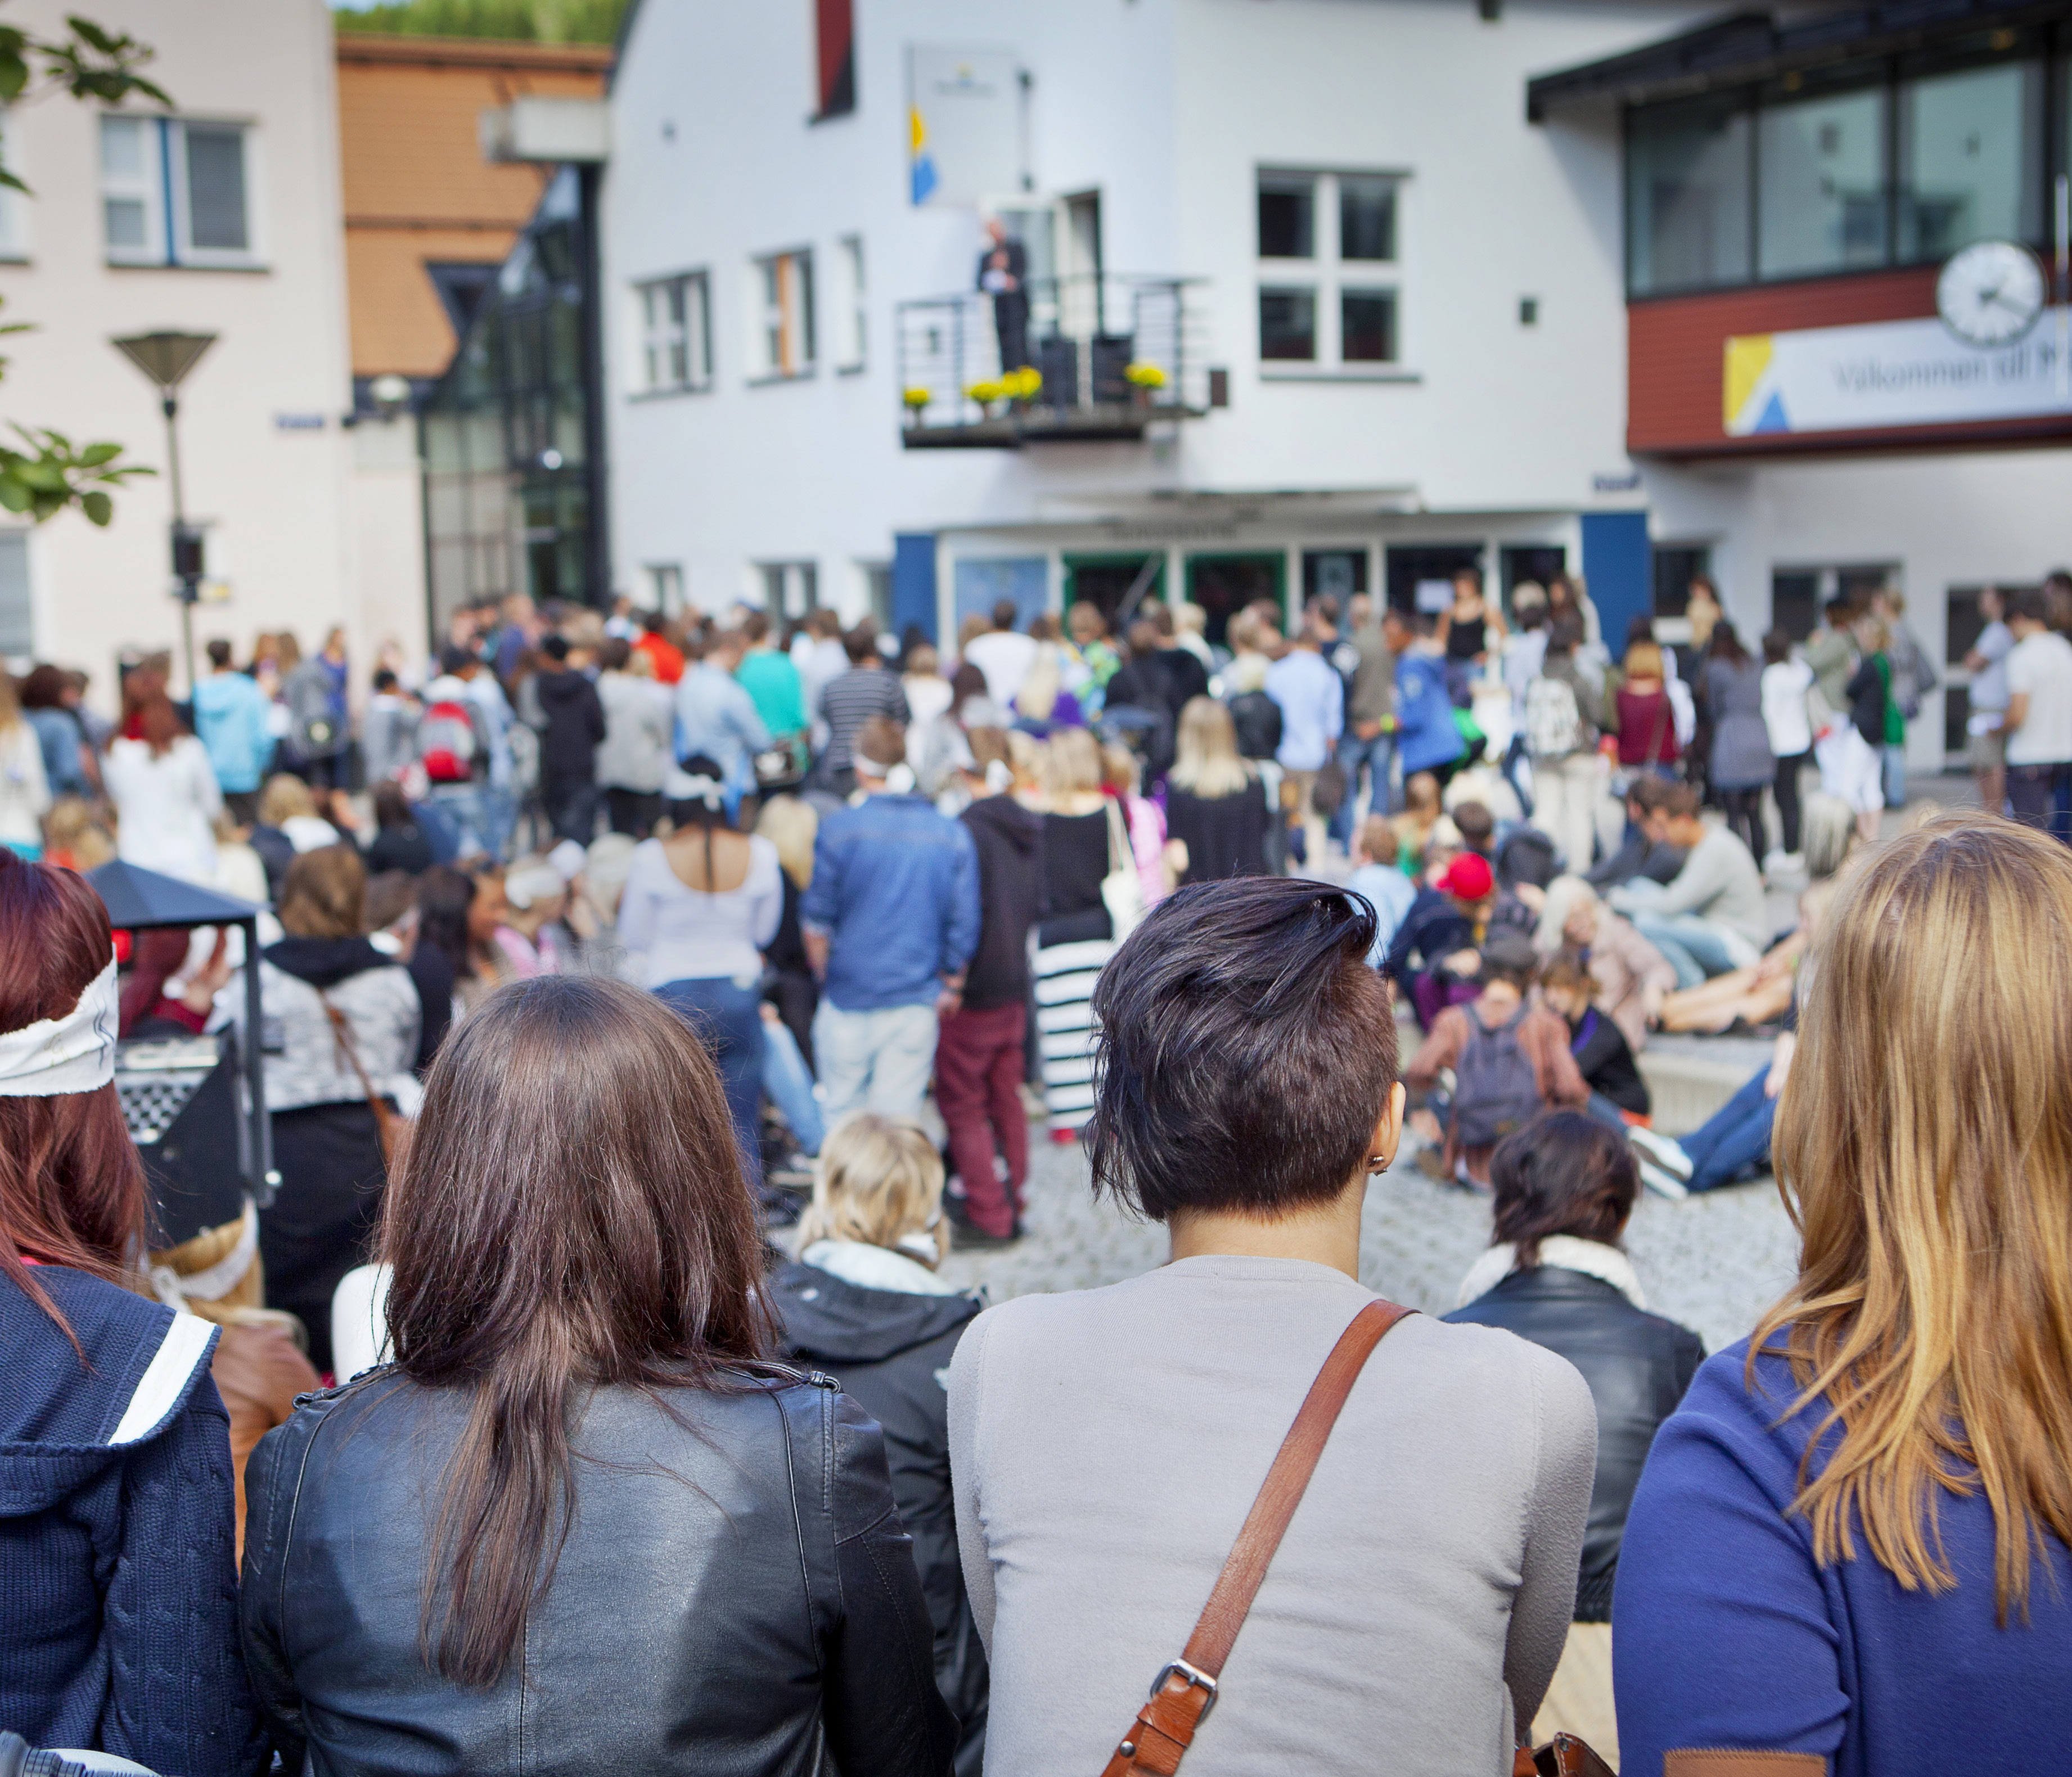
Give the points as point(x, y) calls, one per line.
point(18, 615)
point(790, 588)
point(175, 191)
point(13, 213)
point(1330, 270)
point(665, 587)
point(846, 307)
point(676, 334)
point(781, 333)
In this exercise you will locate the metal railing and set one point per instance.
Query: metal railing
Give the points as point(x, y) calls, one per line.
point(1108, 354)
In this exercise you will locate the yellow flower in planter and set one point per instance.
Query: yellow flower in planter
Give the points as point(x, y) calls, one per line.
point(916, 399)
point(1144, 376)
point(985, 394)
point(1024, 384)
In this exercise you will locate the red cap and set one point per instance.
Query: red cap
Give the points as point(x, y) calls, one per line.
point(1468, 877)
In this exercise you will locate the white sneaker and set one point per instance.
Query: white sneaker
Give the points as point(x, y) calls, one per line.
point(1660, 1182)
point(1665, 1153)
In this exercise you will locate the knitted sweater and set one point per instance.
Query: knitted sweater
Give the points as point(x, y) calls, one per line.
point(118, 1583)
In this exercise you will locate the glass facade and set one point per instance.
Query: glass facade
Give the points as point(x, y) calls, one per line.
point(1899, 162)
point(513, 462)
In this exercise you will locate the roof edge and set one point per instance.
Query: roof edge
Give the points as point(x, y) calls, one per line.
point(394, 48)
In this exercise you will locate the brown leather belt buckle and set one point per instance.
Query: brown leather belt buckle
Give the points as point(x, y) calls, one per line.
point(1196, 1677)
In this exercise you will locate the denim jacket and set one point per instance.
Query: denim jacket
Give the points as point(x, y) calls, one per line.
point(896, 885)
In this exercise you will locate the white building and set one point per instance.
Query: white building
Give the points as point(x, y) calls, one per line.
point(221, 217)
point(1415, 299)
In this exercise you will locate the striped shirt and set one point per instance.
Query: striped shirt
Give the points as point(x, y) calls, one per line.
point(848, 702)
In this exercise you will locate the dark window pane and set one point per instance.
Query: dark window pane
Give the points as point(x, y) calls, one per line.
point(1367, 217)
point(1822, 184)
point(1366, 330)
point(1288, 324)
point(1971, 159)
point(1287, 217)
point(215, 187)
point(1686, 170)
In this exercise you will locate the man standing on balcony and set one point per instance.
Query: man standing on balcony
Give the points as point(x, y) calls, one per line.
point(1003, 274)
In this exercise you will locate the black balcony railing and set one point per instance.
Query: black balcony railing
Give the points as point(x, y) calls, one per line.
point(1107, 357)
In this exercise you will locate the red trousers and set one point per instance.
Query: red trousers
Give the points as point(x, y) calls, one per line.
point(978, 1066)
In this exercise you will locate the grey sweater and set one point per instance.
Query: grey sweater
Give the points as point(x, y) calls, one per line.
point(1105, 1446)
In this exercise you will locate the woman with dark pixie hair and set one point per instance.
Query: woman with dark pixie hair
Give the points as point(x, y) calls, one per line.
point(1106, 1446)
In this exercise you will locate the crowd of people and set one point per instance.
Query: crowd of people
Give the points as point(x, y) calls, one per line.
point(610, 968)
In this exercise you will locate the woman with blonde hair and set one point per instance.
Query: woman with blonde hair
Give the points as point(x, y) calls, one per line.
point(1215, 805)
point(1862, 1514)
point(1632, 978)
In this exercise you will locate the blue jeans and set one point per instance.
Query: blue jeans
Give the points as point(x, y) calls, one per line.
point(1696, 947)
point(1736, 1140)
point(1894, 771)
point(728, 1019)
point(875, 1060)
point(1377, 755)
point(463, 811)
point(790, 1086)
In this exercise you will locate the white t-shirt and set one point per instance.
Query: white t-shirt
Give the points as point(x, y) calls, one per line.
point(1989, 687)
point(1004, 657)
point(2040, 666)
point(1785, 684)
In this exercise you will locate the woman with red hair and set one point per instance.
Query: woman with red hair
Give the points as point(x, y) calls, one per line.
point(118, 1590)
point(163, 787)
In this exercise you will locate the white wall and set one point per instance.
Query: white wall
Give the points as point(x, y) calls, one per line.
point(274, 499)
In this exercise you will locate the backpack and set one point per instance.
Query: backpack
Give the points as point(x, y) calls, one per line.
point(446, 743)
point(1495, 1091)
point(1256, 718)
point(1553, 719)
point(314, 731)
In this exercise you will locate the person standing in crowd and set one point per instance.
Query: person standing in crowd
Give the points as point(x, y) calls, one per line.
point(388, 729)
point(1469, 631)
point(118, 1552)
point(1712, 917)
point(981, 1059)
point(1557, 1274)
point(772, 683)
point(1368, 741)
point(716, 719)
point(698, 909)
point(2039, 716)
point(1215, 805)
point(890, 922)
point(575, 727)
point(864, 1304)
point(1311, 700)
point(50, 703)
point(1830, 652)
point(456, 750)
point(1742, 765)
point(868, 692)
point(1003, 275)
point(25, 790)
point(230, 713)
point(1913, 679)
point(1002, 654)
point(1426, 738)
point(1862, 1514)
point(319, 731)
point(1789, 725)
point(1248, 1094)
point(818, 653)
point(348, 1020)
point(164, 796)
point(1641, 714)
point(1874, 709)
point(1561, 738)
point(1088, 627)
point(663, 655)
point(635, 754)
point(581, 1399)
point(1985, 727)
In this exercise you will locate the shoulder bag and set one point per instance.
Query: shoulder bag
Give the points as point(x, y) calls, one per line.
point(388, 1125)
point(1122, 890)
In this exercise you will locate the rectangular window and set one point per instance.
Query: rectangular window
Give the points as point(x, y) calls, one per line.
point(1688, 175)
point(846, 305)
point(14, 214)
point(790, 588)
point(175, 191)
point(1971, 159)
point(834, 46)
point(1339, 308)
point(665, 588)
point(18, 615)
point(783, 337)
point(1821, 187)
point(676, 335)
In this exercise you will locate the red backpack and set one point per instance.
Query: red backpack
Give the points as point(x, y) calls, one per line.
point(446, 744)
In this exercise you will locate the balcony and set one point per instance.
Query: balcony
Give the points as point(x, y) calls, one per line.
point(1110, 356)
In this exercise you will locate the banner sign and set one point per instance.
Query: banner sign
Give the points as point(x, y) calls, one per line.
point(963, 125)
point(1895, 373)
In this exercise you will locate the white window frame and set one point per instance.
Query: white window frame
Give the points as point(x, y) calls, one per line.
point(796, 585)
point(162, 187)
point(665, 587)
point(783, 329)
point(846, 310)
point(1329, 278)
point(651, 374)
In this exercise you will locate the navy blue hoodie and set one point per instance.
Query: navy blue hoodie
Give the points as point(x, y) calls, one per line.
point(118, 1578)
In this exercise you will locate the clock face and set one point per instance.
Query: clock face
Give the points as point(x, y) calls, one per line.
point(1991, 294)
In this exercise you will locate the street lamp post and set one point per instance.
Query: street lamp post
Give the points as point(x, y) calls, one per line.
point(166, 357)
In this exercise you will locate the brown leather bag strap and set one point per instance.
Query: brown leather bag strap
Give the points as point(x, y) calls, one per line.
point(1184, 1692)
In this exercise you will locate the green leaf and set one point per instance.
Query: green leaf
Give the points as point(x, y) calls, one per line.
point(98, 508)
point(12, 495)
point(94, 455)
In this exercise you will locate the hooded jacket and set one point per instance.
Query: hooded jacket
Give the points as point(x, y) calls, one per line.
point(313, 1064)
point(1010, 838)
point(574, 725)
point(890, 1350)
point(118, 1578)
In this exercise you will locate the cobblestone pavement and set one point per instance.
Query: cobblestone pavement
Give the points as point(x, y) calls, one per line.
point(1714, 1262)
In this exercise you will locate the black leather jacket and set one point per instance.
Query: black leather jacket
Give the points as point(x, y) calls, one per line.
point(735, 1595)
point(1637, 1365)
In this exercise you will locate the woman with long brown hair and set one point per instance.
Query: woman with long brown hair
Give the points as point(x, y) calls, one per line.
point(164, 789)
point(1852, 1548)
point(118, 1631)
point(581, 1524)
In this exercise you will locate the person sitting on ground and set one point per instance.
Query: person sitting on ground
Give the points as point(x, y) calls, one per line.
point(1852, 1546)
point(1510, 1059)
point(1557, 1274)
point(1432, 958)
point(581, 1399)
point(1421, 824)
point(863, 1303)
point(1618, 1095)
point(1385, 887)
point(1713, 917)
point(1640, 855)
point(1751, 996)
point(1248, 1094)
point(1632, 978)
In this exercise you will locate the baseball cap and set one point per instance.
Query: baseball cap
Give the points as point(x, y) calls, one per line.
point(1468, 877)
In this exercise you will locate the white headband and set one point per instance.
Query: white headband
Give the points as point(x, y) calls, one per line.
point(702, 788)
point(74, 1053)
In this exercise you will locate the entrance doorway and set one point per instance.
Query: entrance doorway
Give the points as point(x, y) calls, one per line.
point(1538, 563)
point(1420, 576)
point(1222, 585)
point(1105, 581)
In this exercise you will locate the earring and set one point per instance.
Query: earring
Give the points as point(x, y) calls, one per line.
point(1376, 1163)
